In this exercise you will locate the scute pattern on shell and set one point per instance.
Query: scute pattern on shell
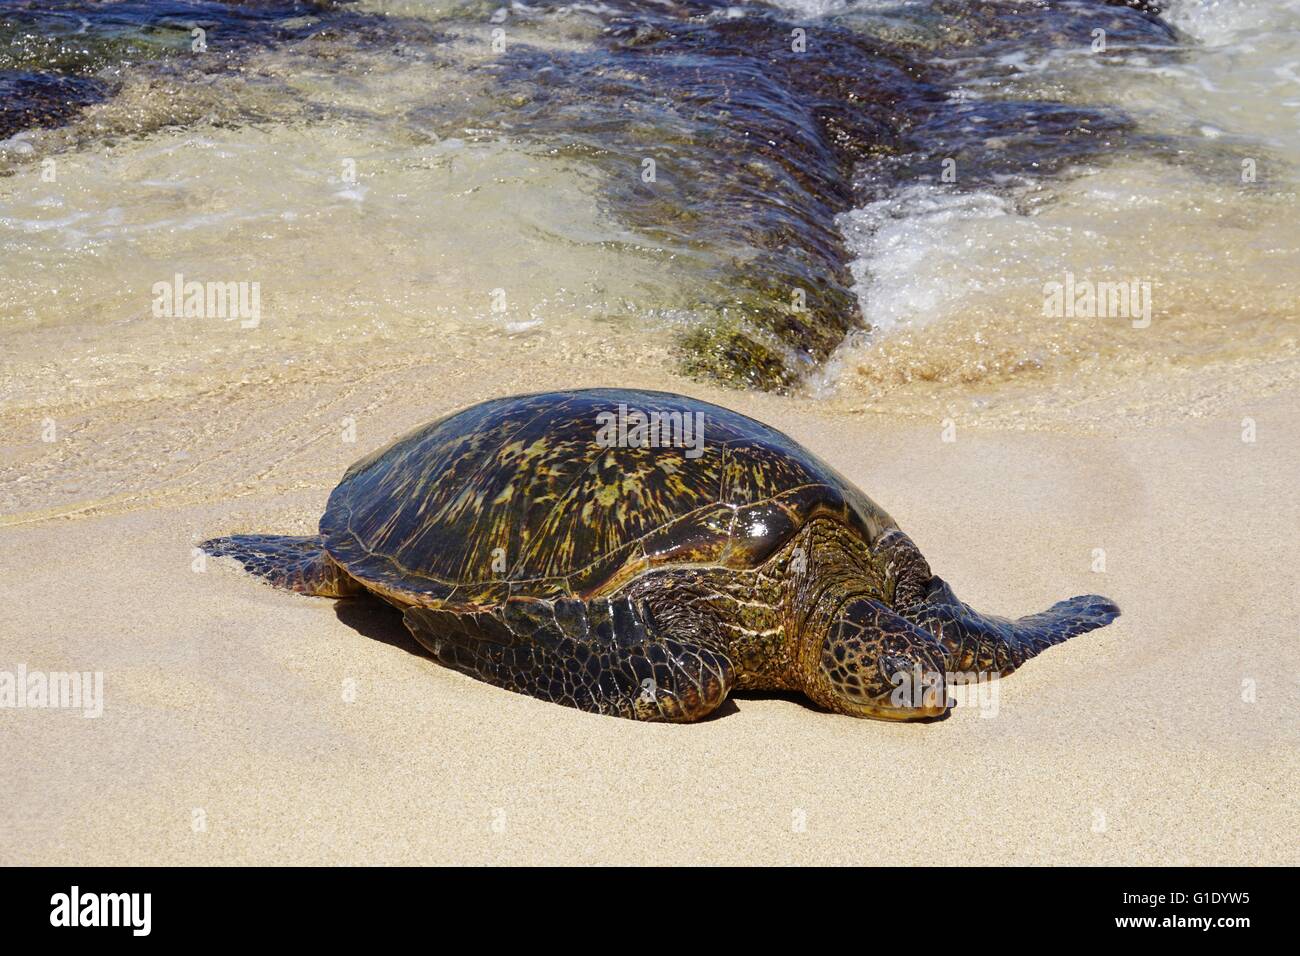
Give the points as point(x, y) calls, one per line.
point(518, 497)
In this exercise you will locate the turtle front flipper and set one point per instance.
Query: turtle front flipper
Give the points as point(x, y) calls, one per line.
point(607, 656)
point(294, 563)
point(996, 645)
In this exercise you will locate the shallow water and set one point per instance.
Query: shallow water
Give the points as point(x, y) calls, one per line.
point(872, 219)
point(1203, 211)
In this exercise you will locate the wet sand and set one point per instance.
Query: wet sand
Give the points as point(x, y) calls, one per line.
point(245, 725)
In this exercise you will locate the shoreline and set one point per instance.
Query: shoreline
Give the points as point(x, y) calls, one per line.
point(234, 431)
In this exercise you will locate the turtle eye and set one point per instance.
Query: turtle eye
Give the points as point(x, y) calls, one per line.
point(891, 664)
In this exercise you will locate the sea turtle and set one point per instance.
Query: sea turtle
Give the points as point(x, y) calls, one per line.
point(641, 554)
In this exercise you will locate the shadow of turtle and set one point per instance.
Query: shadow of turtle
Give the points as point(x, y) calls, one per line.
point(379, 621)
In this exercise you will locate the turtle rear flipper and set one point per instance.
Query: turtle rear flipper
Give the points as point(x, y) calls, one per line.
point(988, 644)
point(294, 563)
point(607, 657)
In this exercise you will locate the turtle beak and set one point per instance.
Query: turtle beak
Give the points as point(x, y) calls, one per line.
point(904, 714)
point(922, 691)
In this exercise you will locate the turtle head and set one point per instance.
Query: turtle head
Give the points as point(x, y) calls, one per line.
point(873, 663)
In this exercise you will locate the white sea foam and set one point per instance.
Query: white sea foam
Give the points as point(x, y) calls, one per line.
point(812, 9)
point(1217, 22)
point(910, 250)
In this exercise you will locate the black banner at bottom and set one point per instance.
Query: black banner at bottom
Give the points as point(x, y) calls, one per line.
point(639, 907)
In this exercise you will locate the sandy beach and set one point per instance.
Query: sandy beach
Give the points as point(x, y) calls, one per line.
point(245, 725)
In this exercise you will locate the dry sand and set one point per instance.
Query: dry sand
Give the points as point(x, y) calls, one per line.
point(247, 725)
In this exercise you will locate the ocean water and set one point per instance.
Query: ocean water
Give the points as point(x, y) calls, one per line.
point(867, 203)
